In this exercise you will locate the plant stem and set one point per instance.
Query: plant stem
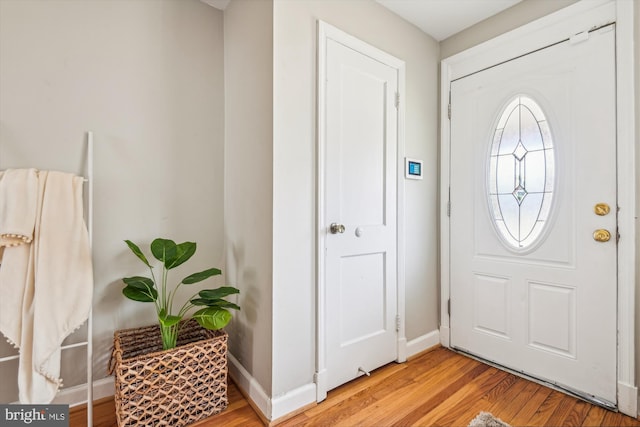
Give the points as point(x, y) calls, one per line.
point(153, 277)
point(169, 336)
point(164, 289)
point(187, 305)
point(172, 294)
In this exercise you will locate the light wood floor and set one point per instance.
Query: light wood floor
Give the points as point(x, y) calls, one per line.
point(438, 388)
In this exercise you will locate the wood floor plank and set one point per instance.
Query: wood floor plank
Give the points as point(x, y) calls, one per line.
point(429, 405)
point(545, 410)
point(378, 380)
point(627, 421)
point(487, 401)
point(562, 410)
point(577, 414)
point(103, 414)
point(404, 397)
point(612, 419)
point(459, 403)
point(421, 387)
point(439, 388)
point(239, 412)
point(515, 398)
point(531, 407)
point(595, 417)
point(359, 384)
point(429, 366)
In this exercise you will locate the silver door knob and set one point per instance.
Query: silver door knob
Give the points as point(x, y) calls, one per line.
point(336, 228)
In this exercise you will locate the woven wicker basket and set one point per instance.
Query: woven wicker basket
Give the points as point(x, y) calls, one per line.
point(175, 387)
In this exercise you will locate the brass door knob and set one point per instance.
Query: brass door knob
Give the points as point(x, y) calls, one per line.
point(601, 235)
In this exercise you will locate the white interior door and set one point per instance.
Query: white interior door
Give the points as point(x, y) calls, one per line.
point(533, 168)
point(360, 201)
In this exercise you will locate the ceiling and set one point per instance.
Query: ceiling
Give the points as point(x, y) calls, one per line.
point(438, 18)
point(443, 18)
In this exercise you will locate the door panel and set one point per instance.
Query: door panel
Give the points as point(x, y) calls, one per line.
point(360, 188)
point(552, 318)
point(547, 309)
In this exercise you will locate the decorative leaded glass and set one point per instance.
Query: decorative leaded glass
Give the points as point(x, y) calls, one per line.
point(521, 173)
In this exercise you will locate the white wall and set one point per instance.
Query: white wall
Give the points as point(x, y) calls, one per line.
point(248, 40)
point(147, 78)
point(294, 159)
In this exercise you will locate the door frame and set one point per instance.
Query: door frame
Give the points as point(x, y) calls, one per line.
point(328, 32)
point(543, 32)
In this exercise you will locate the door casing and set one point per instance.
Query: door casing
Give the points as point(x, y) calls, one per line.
point(325, 32)
point(545, 31)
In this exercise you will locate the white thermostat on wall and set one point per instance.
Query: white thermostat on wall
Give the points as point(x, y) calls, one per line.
point(412, 168)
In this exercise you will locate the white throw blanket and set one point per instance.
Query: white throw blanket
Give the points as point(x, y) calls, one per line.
point(46, 275)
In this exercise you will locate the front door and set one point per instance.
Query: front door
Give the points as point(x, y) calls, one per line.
point(360, 213)
point(533, 215)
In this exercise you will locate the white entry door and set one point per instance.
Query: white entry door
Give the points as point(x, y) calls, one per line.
point(359, 177)
point(533, 215)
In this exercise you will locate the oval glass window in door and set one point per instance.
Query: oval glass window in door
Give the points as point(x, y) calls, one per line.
point(521, 173)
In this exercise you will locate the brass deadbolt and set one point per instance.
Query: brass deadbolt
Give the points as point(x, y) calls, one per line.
point(601, 209)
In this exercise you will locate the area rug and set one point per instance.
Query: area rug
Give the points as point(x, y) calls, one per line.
point(485, 419)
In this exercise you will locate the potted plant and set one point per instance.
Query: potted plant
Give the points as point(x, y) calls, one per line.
point(173, 373)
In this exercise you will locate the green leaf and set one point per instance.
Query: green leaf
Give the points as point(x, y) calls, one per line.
point(169, 320)
point(184, 251)
point(171, 254)
point(139, 282)
point(212, 318)
point(140, 289)
point(136, 250)
point(163, 249)
point(137, 295)
point(220, 303)
point(220, 292)
point(225, 304)
point(199, 277)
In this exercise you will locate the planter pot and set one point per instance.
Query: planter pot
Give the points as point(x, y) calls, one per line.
point(176, 387)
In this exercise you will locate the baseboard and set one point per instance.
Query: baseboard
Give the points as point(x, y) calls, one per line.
point(293, 400)
point(271, 409)
point(250, 387)
point(628, 399)
point(422, 343)
point(77, 395)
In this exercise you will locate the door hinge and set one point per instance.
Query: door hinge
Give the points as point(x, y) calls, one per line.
point(449, 306)
point(449, 111)
point(397, 323)
point(449, 208)
point(397, 101)
point(617, 235)
point(579, 37)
